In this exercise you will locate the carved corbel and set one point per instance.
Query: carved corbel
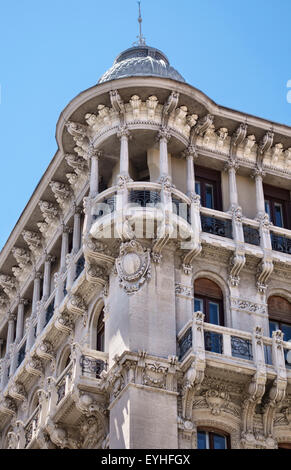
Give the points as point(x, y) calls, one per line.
point(34, 367)
point(263, 147)
point(46, 351)
point(96, 274)
point(190, 256)
point(79, 165)
point(65, 322)
point(170, 106)
point(33, 240)
point(9, 285)
point(61, 191)
point(201, 127)
point(49, 211)
point(237, 138)
point(8, 407)
point(237, 263)
point(18, 392)
point(79, 132)
point(22, 257)
point(264, 271)
point(118, 105)
point(277, 152)
point(76, 304)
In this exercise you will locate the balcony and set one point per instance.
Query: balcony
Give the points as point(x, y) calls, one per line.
point(30, 428)
point(216, 223)
point(280, 243)
point(230, 347)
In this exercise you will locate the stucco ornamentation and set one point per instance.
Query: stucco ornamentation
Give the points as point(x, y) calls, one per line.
point(133, 266)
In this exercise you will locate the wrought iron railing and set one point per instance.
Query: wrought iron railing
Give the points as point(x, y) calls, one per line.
point(241, 348)
point(144, 198)
point(213, 342)
point(182, 209)
point(185, 343)
point(220, 227)
point(104, 207)
point(21, 355)
point(31, 426)
point(251, 235)
point(92, 367)
point(80, 266)
point(280, 243)
point(49, 312)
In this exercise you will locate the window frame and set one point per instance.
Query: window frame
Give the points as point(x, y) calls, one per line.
point(206, 176)
point(206, 300)
point(278, 196)
point(100, 332)
point(211, 432)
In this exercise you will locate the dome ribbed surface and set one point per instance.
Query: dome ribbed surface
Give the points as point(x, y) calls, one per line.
point(141, 61)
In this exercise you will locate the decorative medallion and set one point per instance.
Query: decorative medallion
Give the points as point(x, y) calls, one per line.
point(133, 266)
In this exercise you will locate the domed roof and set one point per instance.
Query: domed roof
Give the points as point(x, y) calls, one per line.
point(141, 61)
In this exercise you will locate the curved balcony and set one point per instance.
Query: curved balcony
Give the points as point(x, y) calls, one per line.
point(146, 206)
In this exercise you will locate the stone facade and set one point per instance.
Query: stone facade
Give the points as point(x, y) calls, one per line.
point(101, 235)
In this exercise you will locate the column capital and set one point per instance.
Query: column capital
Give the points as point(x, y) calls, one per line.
point(23, 301)
point(258, 172)
point(123, 131)
point(38, 275)
point(231, 165)
point(77, 209)
point(164, 134)
point(11, 317)
point(49, 258)
point(66, 229)
point(190, 153)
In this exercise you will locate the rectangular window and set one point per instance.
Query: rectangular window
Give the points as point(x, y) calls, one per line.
point(278, 213)
point(278, 206)
point(208, 187)
point(209, 196)
point(214, 313)
point(198, 305)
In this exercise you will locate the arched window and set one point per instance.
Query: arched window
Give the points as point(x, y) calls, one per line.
point(101, 332)
point(209, 300)
point(280, 316)
point(212, 439)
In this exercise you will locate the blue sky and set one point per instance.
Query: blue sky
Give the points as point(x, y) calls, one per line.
point(238, 53)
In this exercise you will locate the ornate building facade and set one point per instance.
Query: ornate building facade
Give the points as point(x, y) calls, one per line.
point(145, 292)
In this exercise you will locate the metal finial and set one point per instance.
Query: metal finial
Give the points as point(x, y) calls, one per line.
point(141, 39)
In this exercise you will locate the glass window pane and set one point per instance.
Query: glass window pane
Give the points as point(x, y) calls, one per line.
point(268, 208)
point(286, 329)
point(201, 440)
point(214, 313)
point(273, 327)
point(209, 196)
point(219, 442)
point(198, 188)
point(278, 214)
point(198, 305)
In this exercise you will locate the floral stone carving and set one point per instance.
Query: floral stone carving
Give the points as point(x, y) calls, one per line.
point(133, 266)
